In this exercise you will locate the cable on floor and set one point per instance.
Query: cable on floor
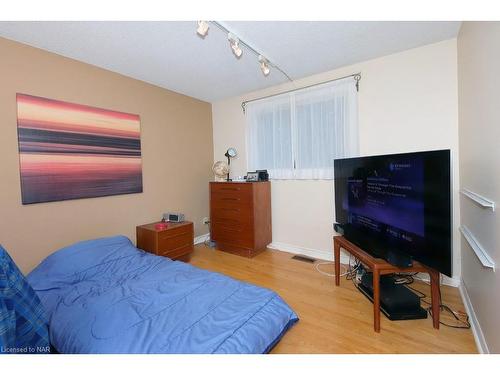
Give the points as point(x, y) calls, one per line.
point(461, 317)
point(317, 265)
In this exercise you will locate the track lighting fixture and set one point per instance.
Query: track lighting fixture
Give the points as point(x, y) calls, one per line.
point(264, 65)
point(202, 29)
point(236, 45)
point(234, 42)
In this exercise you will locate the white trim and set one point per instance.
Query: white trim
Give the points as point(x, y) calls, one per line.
point(445, 280)
point(313, 253)
point(344, 259)
point(481, 344)
point(479, 199)
point(480, 252)
point(201, 239)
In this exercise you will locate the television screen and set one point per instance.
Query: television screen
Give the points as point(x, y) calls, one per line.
point(399, 203)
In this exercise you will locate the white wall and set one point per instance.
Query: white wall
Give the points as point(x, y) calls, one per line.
point(479, 131)
point(407, 102)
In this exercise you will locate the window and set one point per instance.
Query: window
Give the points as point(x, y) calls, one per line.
point(298, 135)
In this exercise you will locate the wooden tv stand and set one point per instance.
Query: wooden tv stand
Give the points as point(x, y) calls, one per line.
point(381, 267)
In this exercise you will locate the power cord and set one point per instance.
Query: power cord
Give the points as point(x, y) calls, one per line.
point(348, 268)
point(459, 316)
point(208, 242)
point(317, 265)
point(352, 271)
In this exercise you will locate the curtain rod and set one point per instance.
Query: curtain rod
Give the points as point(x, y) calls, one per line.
point(356, 76)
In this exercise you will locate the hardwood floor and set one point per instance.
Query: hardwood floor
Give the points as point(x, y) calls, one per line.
point(336, 319)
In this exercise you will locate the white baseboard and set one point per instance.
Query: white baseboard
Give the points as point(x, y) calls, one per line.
point(481, 344)
point(201, 239)
point(445, 280)
point(313, 253)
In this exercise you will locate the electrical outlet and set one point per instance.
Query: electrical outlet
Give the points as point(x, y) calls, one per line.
point(205, 221)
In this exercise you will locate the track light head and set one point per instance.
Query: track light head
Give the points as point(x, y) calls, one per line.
point(234, 42)
point(264, 65)
point(202, 29)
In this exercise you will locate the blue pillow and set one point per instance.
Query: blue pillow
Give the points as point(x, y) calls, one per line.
point(23, 325)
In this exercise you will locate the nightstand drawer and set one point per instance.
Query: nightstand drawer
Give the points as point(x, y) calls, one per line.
point(179, 252)
point(167, 243)
point(175, 231)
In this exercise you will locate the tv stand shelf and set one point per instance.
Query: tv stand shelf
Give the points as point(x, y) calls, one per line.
point(381, 267)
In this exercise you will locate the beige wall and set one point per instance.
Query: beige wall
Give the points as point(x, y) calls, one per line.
point(407, 102)
point(479, 133)
point(177, 153)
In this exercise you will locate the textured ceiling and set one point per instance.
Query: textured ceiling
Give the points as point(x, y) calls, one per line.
point(171, 55)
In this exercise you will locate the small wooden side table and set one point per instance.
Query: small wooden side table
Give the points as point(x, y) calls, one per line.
point(175, 242)
point(381, 267)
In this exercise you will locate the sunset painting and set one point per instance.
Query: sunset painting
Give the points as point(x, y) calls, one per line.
point(71, 151)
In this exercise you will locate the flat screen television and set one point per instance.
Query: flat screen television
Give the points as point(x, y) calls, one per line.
point(397, 203)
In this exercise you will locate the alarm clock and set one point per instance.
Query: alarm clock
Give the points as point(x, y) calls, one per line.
point(173, 217)
point(259, 175)
point(252, 176)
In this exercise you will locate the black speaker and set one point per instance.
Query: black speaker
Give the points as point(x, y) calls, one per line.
point(399, 259)
point(338, 228)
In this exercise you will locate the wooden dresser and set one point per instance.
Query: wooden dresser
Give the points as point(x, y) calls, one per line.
point(240, 216)
point(175, 242)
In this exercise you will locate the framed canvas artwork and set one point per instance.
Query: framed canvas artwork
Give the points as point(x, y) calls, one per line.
point(71, 151)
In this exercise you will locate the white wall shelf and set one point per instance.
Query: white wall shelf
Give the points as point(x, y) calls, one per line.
point(482, 201)
point(478, 249)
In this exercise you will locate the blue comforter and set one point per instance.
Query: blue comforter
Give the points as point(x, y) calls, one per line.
point(106, 296)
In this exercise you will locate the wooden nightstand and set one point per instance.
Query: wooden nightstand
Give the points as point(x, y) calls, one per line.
point(175, 242)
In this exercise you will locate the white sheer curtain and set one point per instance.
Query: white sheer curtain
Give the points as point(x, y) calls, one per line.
point(326, 128)
point(269, 136)
point(299, 134)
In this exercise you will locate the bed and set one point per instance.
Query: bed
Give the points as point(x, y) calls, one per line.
point(107, 296)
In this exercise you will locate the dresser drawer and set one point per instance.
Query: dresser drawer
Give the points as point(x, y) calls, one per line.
point(233, 214)
point(235, 226)
point(232, 194)
point(238, 235)
point(242, 187)
point(231, 197)
point(223, 200)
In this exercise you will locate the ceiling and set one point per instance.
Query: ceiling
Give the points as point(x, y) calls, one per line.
point(170, 54)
